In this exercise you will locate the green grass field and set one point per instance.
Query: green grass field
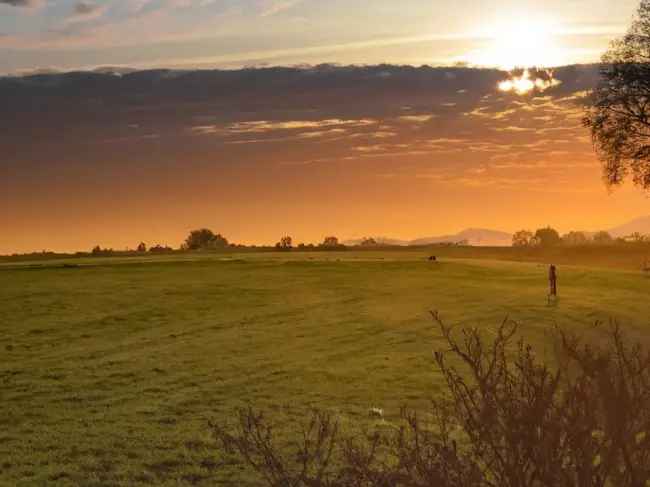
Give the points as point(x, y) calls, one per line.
point(110, 369)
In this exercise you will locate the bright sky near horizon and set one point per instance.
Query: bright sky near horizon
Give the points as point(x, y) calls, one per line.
point(71, 34)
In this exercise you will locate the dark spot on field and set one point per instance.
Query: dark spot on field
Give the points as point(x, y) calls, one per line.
point(158, 370)
point(58, 476)
point(144, 477)
point(9, 348)
point(153, 390)
point(193, 478)
point(210, 464)
point(167, 421)
point(74, 399)
point(164, 467)
point(38, 331)
point(53, 376)
point(122, 375)
point(195, 445)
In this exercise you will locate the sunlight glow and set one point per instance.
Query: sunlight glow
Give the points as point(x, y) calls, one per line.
point(521, 43)
point(524, 83)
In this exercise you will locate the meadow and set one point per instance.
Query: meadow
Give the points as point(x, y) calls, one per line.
point(111, 369)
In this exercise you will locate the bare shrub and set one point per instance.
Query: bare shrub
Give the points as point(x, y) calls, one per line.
point(509, 420)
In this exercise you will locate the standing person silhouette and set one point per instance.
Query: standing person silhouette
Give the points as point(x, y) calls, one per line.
point(552, 280)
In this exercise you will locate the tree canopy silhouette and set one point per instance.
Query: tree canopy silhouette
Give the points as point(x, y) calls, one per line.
point(204, 239)
point(619, 117)
point(547, 237)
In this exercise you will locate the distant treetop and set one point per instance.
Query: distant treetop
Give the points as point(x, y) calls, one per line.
point(204, 239)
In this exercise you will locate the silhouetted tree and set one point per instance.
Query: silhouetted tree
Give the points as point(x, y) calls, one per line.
point(522, 238)
point(204, 239)
point(142, 247)
point(603, 238)
point(636, 237)
point(160, 248)
point(330, 242)
point(619, 118)
point(575, 238)
point(547, 237)
point(368, 242)
point(285, 243)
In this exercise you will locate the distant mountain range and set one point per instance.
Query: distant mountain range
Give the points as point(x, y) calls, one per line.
point(638, 225)
point(481, 237)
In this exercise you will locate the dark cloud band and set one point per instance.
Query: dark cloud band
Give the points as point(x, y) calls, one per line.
point(85, 8)
point(22, 3)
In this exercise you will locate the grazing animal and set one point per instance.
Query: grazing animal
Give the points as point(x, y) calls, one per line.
point(433, 258)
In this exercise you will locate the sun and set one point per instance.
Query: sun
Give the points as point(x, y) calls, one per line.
point(519, 43)
point(524, 83)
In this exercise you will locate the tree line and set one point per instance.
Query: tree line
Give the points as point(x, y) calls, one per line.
point(549, 237)
point(206, 240)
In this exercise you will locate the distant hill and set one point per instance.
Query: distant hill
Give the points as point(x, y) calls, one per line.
point(379, 240)
point(478, 237)
point(640, 225)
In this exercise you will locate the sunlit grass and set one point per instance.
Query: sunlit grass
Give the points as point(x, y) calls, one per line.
point(111, 372)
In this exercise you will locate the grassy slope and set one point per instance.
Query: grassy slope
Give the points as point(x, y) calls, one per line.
point(110, 372)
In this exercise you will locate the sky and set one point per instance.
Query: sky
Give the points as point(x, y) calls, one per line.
point(116, 156)
point(73, 34)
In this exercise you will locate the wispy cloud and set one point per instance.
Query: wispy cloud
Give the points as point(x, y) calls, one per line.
point(276, 6)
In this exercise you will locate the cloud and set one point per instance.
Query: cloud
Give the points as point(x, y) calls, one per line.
point(84, 11)
point(262, 126)
point(23, 3)
point(277, 6)
point(523, 133)
point(85, 8)
point(416, 118)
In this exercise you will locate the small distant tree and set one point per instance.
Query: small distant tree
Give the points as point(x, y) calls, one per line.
point(575, 238)
point(156, 249)
point(142, 247)
point(331, 242)
point(548, 237)
point(285, 243)
point(97, 250)
point(204, 239)
point(637, 237)
point(523, 238)
point(368, 242)
point(603, 238)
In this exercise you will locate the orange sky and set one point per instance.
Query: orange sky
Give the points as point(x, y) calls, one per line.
point(387, 151)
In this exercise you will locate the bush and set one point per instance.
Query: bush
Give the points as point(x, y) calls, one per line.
point(508, 421)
